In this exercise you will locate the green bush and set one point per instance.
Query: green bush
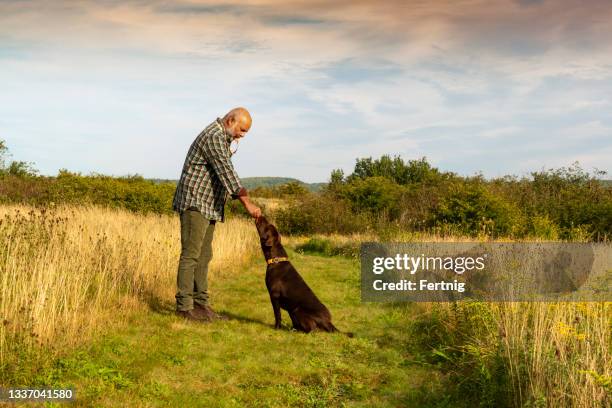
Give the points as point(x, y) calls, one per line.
point(326, 247)
point(543, 227)
point(322, 213)
point(287, 190)
point(132, 192)
point(373, 195)
point(476, 211)
point(384, 196)
point(317, 246)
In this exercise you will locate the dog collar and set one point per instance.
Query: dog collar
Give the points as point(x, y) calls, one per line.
point(277, 260)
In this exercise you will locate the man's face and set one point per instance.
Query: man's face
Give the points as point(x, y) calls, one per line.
point(237, 128)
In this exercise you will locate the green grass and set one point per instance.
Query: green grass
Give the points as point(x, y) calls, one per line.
point(158, 360)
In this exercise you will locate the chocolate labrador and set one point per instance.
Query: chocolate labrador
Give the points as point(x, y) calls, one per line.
point(286, 287)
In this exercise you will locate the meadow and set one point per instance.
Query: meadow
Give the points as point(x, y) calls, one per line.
point(86, 300)
point(87, 282)
point(70, 272)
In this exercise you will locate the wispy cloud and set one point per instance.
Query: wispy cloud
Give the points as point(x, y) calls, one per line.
point(124, 86)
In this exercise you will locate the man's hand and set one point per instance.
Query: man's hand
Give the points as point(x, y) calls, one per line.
point(251, 208)
point(254, 210)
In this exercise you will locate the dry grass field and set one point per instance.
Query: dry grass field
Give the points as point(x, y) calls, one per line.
point(67, 273)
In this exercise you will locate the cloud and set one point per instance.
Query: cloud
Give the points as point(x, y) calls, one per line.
point(352, 70)
point(289, 20)
point(109, 86)
point(529, 3)
point(191, 8)
point(266, 14)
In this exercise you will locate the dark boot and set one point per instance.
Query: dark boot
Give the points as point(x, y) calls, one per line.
point(207, 312)
point(192, 315)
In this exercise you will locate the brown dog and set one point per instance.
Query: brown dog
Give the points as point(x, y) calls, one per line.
point(286, 287)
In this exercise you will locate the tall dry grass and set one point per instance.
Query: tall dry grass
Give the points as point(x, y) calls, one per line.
point(66, 272)
point(525, 354)
point(556, 354)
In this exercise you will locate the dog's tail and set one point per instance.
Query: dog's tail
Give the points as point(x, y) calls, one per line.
point(331, 328)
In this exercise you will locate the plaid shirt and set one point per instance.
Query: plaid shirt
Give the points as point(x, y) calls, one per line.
point(208, 176)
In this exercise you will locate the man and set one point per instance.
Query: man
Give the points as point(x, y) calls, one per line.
point(208, 177)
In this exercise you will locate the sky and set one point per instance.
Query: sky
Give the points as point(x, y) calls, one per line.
point(491, 87)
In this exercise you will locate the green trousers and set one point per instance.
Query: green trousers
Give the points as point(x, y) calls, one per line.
point(196, 253)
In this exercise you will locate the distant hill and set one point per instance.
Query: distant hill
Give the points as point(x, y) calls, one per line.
point(607, 183)
point(160, 181)
point(253, 182)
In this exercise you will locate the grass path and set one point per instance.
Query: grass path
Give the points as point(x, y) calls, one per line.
point(158, 360)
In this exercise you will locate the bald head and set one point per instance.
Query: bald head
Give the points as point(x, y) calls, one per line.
point(237, 122)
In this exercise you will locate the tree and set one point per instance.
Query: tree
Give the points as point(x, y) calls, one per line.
point(395, 169)
point(292, 189)
point(4, 154)
point(14, 168)
point(373, 194)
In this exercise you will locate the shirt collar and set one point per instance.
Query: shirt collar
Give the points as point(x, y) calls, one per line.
point(228, 138)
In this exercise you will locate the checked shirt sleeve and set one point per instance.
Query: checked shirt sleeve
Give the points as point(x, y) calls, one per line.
point(216, 153)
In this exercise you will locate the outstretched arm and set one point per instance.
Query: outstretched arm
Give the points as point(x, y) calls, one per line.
point(250, 207)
